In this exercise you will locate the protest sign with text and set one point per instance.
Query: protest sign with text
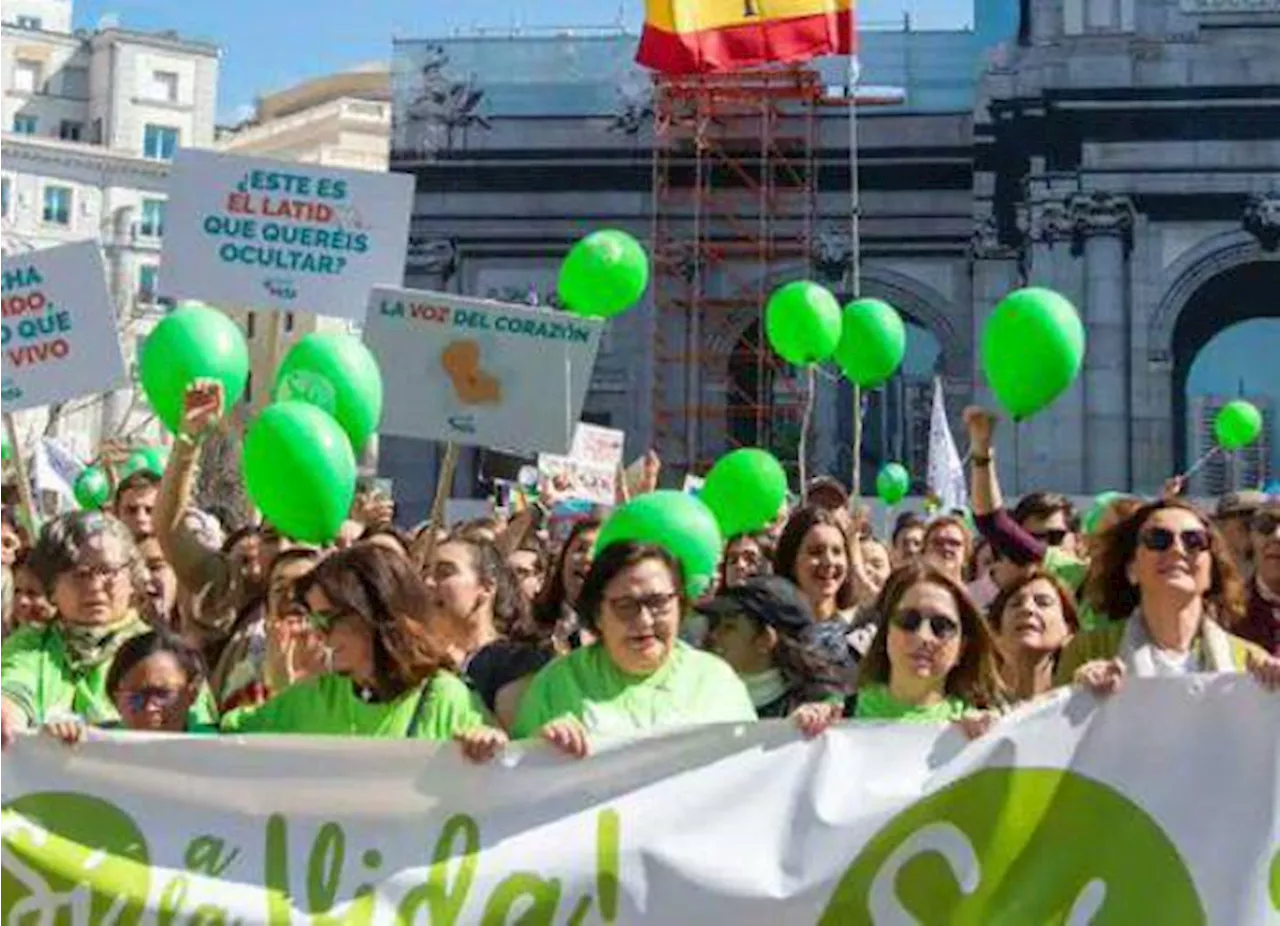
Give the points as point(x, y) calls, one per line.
point(60, 339)
point(1072, 812)
point(480, 373)
point(278, 235)
point(590, 470)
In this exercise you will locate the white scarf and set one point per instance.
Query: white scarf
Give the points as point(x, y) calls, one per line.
point(1138, 651)
point(765, 687)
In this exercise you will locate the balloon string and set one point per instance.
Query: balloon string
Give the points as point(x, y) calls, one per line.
point(1200, 463)
point(810, 396)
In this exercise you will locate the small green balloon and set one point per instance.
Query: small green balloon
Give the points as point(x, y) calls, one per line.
point(5, 450)
point(300, 470)
point(92, 488)
point(1032, 350)
point(1238, 424)
point(603, 275)
point(873, 341)
point(335, 372)
point(193, 342)
point(893, 482)
point(149, 459)
point(1101, 502)
point(676, 521)
point(745, 490)
point(802, 321)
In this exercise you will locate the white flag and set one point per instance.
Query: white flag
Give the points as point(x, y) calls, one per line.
point(946, 472)
point(55, 470)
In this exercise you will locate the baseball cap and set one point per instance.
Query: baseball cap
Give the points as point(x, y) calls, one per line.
point(1240, 504)
point(826, 492)
point(771, 600)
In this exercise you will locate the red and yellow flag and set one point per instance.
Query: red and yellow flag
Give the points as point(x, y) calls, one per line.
point(707, 36)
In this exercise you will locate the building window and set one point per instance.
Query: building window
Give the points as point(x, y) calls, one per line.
point(24, 125)
point(288, 322)
point(29, 22)
point(248, 388)
point(147, 280)
point(164, 86)
point(4, 196)
point(69, 130)
point(152, 225)
point(159, 142)
point(57, 205)
point(250, 322)
point(27, 76)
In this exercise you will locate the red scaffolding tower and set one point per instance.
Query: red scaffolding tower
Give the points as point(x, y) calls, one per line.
point(734, 197)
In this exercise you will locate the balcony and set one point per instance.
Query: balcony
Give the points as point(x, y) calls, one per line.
point(367, 115)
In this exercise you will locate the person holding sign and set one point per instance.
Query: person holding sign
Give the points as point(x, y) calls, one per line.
point(391, 675)
point(91, 571)
point(638, 677)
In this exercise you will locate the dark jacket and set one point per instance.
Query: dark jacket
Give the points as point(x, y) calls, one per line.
point(1261, 624)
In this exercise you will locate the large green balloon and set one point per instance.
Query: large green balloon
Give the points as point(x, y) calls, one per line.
point(1032, 349)
point(335, 372)
point(873, 340)
point(802, 322)
point(92, 488)
point(300, 470)
point(150, 459)
point(745, 490)
point(893, 482)
point(603, 275)
point(1237, 425)
point(194, 342)
point(680, 523)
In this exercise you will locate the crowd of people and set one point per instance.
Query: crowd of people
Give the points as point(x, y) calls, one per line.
point(159, 617)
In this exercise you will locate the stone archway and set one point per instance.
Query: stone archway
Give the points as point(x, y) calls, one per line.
point(1226, 279)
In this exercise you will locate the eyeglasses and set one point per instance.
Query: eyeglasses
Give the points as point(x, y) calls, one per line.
point(85, 575)
point(1052, 538)
point(659, 604)
point(163, 698)
point(941, 626)
point(1160, 539)
point(1265, 524)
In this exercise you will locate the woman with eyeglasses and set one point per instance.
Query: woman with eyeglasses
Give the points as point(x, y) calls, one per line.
point(154, 681)
point(1262, 620)
point(1166, 580)
point(528, 563)
point(91, 571)
point(746, 556)
point(389, 675)
point(1033, 619)
point(638, 677)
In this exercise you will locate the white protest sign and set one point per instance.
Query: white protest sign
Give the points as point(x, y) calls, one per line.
point(478, 372)
point(278, 235)
point(60, 339)
point(590, 470)
point(1072, 811)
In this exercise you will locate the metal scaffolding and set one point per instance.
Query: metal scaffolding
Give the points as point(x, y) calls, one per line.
point(734, 197)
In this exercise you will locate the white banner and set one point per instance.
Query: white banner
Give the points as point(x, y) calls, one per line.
point(480, 373)
point(590, 471)
point(1159, 808)
point(60, 340)
point(279, 235)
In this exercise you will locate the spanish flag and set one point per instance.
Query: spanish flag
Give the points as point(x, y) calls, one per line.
point(708, 36)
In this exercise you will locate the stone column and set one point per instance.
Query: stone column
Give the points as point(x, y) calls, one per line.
point(995, 275)
point(1105, 223)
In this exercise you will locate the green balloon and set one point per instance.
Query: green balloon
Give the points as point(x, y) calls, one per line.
point(5, 450)
point(1032, 349)
point(150, 459)
point(336, 373)
point(1237, 425)
point(676, 521)
point(603, 275)
point(193, 342)
point(745, 490)
point(300, 470)
point(92, 488)
point(893, 482)
point(802, 322)
point(1101, 502)
point(873, 341)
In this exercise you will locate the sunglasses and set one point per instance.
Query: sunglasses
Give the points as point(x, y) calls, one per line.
point(1053, 538)
point(1265, 524)
point(1160, 539)
point(940, 625)
point(163, 698)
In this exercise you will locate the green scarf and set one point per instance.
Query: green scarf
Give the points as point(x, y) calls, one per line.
point(876, 703)
point(90, 645)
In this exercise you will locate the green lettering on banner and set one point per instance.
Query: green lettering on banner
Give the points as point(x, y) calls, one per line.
point(540, 898)
point(444, 900)
point(206, 855)
point(1275, 882)
point(608, 842)
point(1012, 845)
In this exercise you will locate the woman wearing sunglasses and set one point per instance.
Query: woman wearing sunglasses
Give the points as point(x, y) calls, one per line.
point(390, 676)
point(637, 677)
point(1262, 623)
point(1166, 580)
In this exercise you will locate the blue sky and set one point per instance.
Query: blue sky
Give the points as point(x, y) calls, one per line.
point(270, 44)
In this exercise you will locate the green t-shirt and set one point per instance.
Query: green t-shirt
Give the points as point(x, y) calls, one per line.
point(329, 705)
point(692, 687)
point(876, 703)
point(36, 675)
